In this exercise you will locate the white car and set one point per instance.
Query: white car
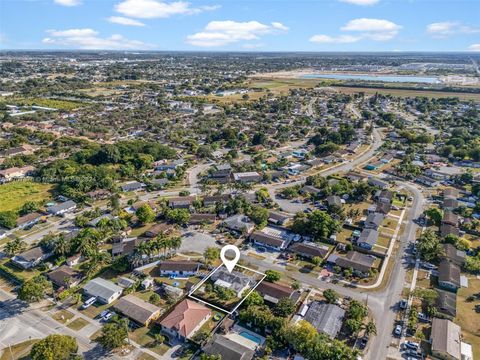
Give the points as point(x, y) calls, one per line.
point(398, 330)
point(108, 316)
point(429, 266)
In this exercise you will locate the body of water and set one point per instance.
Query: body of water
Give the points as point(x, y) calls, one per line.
point(384, 78)
point(250, 337)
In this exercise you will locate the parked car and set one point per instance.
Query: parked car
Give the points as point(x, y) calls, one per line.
point(398, 330)
point(108, 316)
point(412, 345)
point(423, 317)
point(88, 303)
point(363, 342)
point(429, 266)
point(403, 304)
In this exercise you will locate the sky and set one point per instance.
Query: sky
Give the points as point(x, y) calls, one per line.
point(241, 25)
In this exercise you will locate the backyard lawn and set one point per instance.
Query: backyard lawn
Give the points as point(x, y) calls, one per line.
point(16, 193)
point(467, 317)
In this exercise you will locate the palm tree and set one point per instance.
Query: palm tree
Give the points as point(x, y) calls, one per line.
point(15, 246)
point(62, 246)
point(371, 328)
point(175, 242)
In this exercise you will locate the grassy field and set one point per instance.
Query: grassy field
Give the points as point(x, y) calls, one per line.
point(467, 318)
point(14, 194)
point(407, 93)
point(282, 86)
point(51, 103)
point(18, 351)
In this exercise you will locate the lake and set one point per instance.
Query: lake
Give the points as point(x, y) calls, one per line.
point(384, 78)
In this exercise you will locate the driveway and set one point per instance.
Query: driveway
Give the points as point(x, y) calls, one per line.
point(194, 241)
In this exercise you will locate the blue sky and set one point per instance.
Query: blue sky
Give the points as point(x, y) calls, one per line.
point(241, 25)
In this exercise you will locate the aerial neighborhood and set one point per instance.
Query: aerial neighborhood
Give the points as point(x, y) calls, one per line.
point(355, 207)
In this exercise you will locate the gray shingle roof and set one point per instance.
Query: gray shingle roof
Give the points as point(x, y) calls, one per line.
point(326, 318)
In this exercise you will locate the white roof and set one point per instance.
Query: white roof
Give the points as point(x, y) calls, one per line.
point(102, 288)
point(466, 351)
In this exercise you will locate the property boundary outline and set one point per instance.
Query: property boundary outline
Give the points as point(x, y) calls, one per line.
point(197, 286)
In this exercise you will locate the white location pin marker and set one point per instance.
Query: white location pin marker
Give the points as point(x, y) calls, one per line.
point(230, 263)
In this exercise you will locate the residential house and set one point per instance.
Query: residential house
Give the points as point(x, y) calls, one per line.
point(326, 318)
point(239, 223)
point(368, 238)
point(448, 276)
point(160, 228)
point(94, 222)
point(29, 220)
point(450, 218)
point(133, 186)
point(185, 319)
point(360, 263)
point(105, 291)
point(173, 165)
point(309, 250)
point(384, 196)
point(64, 277)
point(197, 218)
point(268, 241)
point(15, 173)
point(99, 194)
point(374, 221)
point(278, 218)
point(247, 177)
point(181, 268)
point(445, 338)
point(447, 229)
point(377, 183)
point(31, 258)
point(125, 246)
point(334, 200)
point(138, 310)
point(62, 208)
point(181, 202)
point(427, 181)
point(228, 349)
point(236, 281)
point(215, 199)
point(273, 293)
point(309, 189)
point(450, 203)
point(452, 254)
point(451, 193)
point(446, 304)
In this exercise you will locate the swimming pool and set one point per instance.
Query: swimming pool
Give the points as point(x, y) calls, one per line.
point(251, 337)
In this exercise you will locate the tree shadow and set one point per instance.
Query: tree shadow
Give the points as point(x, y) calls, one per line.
point(11, 308)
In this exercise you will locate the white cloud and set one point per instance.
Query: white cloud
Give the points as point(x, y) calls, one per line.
point(448, 28)
point(124, 21)
point(474, 47)
point(151, 9)
point(370, 29)
point(374, 29)
point(361, 2)
point(280, 26)
point(221, 33)
point(68, 2)
point(341, 39)
point(89, 39)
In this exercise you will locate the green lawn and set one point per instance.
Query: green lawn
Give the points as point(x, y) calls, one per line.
point(77, 324)
point(144, 336)
point(16, 193)
point(18, 351)
point(63, 316)
point(467, 318)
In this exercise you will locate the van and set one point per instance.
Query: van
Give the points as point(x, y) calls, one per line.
point(88, 303)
